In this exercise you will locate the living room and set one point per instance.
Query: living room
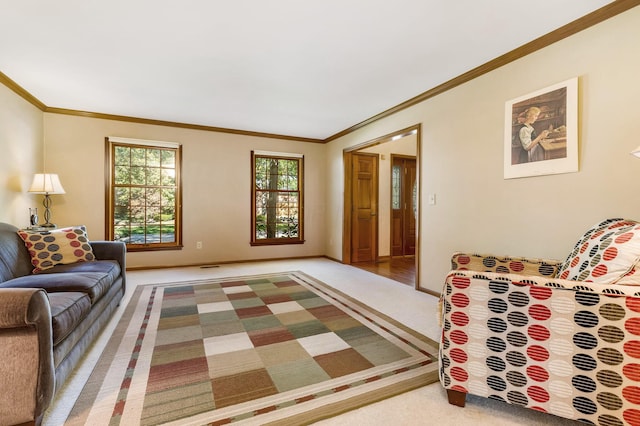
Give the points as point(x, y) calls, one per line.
point(460, 157)
point(461, 162)
point(461, 143)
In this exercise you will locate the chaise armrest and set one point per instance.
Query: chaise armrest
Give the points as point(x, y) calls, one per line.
point(505, 264)
point(26, 353)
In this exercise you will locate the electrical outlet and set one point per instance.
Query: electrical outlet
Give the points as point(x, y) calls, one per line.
point(198, 245)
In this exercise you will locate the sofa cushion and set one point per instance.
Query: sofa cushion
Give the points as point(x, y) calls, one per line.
point(57, 246)
point(68, 309)
point(605, 254)
point(92, 278)
point(107, 267)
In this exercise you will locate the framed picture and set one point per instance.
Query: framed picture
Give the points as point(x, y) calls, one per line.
point(541, 132)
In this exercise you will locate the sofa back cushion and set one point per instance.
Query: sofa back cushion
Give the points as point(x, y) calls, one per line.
point(14, 258)
point(607, 252)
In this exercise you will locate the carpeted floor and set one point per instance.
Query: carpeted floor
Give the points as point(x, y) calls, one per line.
point(277, 348)
point(424, 405)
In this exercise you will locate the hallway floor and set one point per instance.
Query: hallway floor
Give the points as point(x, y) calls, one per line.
point(401, 269)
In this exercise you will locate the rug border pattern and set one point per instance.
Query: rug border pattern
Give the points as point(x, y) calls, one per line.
point(288, 407)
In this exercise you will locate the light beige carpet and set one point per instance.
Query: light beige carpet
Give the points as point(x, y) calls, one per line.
point(278, 348)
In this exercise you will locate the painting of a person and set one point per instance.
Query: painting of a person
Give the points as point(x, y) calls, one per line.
point(529, 138)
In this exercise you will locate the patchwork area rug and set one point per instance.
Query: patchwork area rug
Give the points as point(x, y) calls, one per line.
point(270, 349)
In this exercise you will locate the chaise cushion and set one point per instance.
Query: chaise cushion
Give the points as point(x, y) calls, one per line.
point(57, 246)
point(606, 253)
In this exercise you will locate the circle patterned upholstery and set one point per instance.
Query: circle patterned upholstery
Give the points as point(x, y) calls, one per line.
point(58, 246)
point(605, 253)
point(570, 353)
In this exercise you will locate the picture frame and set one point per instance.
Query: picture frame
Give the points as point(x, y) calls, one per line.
point(541, 132)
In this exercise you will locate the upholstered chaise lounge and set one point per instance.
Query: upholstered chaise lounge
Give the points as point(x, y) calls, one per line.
point(558, 337)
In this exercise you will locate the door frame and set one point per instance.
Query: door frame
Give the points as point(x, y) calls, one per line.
point(348, 198)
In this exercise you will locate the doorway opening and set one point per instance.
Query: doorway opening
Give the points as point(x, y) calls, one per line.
point(382, 204)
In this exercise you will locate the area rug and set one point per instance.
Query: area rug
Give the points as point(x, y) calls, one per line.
point(271, 349)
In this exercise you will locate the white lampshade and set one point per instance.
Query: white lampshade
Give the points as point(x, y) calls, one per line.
point(46, 183)
point(636, 152)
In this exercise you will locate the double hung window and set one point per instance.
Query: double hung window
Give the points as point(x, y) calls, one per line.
point(277, 198)
point(143, 194)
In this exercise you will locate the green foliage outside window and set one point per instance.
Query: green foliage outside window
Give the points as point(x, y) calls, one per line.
point(144, 196)
point(277, 200)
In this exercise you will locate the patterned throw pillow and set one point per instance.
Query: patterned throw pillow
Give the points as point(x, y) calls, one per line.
point(632, 277)
point(58, 246)
point(605, 254)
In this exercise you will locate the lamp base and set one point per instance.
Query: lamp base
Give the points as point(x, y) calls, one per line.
point(36, 228)
point(47, 213)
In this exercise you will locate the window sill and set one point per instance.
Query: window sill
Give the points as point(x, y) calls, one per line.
point(275, 242)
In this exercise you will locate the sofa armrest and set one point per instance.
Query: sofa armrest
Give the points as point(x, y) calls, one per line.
point(27, 375)
point(111, 250)
point(504, 264)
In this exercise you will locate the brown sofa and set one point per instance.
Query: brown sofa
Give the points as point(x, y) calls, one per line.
point(48, 320)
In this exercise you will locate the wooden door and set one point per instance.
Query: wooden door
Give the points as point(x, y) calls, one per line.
point(403, 206)
point(364, 212)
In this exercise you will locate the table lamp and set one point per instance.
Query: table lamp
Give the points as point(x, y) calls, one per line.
point(47, 184)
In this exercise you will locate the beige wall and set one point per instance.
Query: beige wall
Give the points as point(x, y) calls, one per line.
point(462, 155)
point(216, 188)
point(20, 158)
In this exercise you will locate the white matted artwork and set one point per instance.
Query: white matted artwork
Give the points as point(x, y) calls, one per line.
point(541, 132)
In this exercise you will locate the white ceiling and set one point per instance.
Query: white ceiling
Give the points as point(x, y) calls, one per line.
point(288, 67)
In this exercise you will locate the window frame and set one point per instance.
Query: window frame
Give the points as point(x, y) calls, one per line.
point(110, 145)
point(299, 239)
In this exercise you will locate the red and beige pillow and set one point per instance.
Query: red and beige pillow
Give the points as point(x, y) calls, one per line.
point(57, 246)
point(607, 253)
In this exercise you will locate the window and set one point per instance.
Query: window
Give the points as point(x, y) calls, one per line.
point(396, 182)
point(143, 194)
point(277, 198)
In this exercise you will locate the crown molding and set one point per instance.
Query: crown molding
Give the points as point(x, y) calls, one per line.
point(580, 24)
point(176, 124)
point(4, 79)
point(608, 11)
point(20, 91)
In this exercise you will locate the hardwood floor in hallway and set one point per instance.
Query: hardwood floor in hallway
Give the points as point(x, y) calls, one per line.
point(402, 269)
